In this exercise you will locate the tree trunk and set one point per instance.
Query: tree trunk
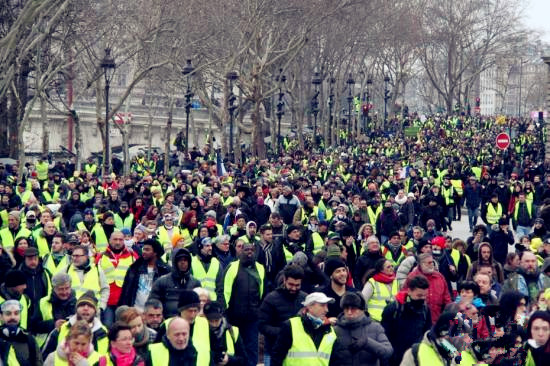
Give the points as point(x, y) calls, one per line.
point(45, 127)
point(4, 122)
point(78, 142)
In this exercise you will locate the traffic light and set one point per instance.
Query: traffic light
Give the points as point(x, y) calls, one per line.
point(365, 109)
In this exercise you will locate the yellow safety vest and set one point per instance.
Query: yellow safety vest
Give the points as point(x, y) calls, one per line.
point(381, 296)
point(303, 350)
point(288, 254)
point(389, 255)
point(457, 185)
point(42, 170)
point(101, 241)
point(115, 274)
point(12, 357)
point(373, 216)
point(42, 245)
point(231, 340)
point(49, 264)
point(207, 279)
point(127, 222)
point(4, 214)
point(200, 340)
point(91, 281)
point(529, 210)
point(226, 201)
point(318, 242)
point(447, 193)
point(427, 356)
point(492, 215)
point(25, 305)
point(164, 238)
point(230, 276)
point(102, 346)
point(90, 168)
point(7, 239)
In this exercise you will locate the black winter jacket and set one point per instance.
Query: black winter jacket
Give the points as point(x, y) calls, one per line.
point(131, 280)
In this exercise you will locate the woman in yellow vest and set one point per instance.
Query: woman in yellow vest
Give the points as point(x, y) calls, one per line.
point(380, 289)
point(76, 349)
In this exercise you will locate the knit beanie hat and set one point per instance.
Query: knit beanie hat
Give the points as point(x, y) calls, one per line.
point(332, 264)
point(188, 299)
point(15, 278)
point(87, 298)
point(352, 300)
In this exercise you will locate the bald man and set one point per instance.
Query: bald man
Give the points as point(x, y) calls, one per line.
point(529, 279)
point(174, 348)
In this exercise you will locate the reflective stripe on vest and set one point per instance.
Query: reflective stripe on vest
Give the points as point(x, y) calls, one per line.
point(25, 304)
point(381, 296)
point(90, 282)
point(230, 341)
point(230, 276)
point(303, 350)
point(318, 242)
point(116, 273)
point(207, 279)
point(492, 215)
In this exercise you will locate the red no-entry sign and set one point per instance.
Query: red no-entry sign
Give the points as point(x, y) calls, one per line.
point(503, 141)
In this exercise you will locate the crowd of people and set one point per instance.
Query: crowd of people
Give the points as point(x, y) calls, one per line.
point(317, 256)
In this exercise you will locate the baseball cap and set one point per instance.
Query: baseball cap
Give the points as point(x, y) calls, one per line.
point(317, 298)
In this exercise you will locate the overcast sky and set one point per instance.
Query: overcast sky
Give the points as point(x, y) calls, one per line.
point(537, 16)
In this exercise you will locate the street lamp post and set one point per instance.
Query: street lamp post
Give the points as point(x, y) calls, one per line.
point(316, 81)
point(386, 98)
point(330, 106)
point(281, 79)
point(369, 83)
point(350, 83)
point(231, 77)
point(108, 65)
point(187, 70)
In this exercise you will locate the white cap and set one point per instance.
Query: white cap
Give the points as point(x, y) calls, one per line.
point(317, 297)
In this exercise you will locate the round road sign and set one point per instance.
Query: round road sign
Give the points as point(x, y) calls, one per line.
point(503, 141)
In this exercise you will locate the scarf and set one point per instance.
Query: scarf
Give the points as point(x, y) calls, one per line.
point(123, 359)
point(268, 257)
point(384, 278)
point(220, 330)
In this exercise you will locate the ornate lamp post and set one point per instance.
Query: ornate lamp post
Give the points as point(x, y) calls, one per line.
point(231, 77)
point(316, 81)
point(187, 70)
point(108, 65)
point(281, 79)
point(350, 83)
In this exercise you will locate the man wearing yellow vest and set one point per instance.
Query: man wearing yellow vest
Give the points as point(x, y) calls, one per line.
point(306, 339)
point(523, 216)
point(491, 212)
point(86, 276)
point(436, 348)
point(241, 291)
point(114, 262)
point(42, 167)
point(13, 288)
point(205, 268)
point(174, 348)
point(229, 346)
point(13, 231)
point(87, 310)
point(39, 283)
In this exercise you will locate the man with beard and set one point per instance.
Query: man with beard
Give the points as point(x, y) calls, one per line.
point(13, 231)
point(25, 346)
point(251, 236)
point(241, 291)
point(13, 289)
point(337, 271)
point(438, 293)
point(271, 256)
point(114, 262)
point(409, 311)
point(205, 268)
point(38, 279)
point(279, 306)
point(57, 260)
point(139, 279)
point(167, 288)
point(86, 276)
point(529, 279)
point(86, 309)
point(485, 257)
point(54, 309)
point(366, 260)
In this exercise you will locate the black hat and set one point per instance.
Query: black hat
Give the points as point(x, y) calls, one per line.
point(213, 310)
point(291, 228)
point(15, 278)
point(31, 252)
point(443, 324)
point(352, 300)
point(157, 248)
point(421, 244)
point(188, 299)
point(332, 265)
point(72, 239)
point(503, 221)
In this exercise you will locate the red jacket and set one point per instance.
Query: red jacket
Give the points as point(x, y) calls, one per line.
point(438, 292)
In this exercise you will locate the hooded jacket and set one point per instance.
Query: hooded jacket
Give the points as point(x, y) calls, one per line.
point(498, 272)
point(167, 288)
point(359, 342)
point(438, 293)
point(131, 280)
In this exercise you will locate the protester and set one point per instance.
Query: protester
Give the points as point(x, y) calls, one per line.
point(121, 349)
